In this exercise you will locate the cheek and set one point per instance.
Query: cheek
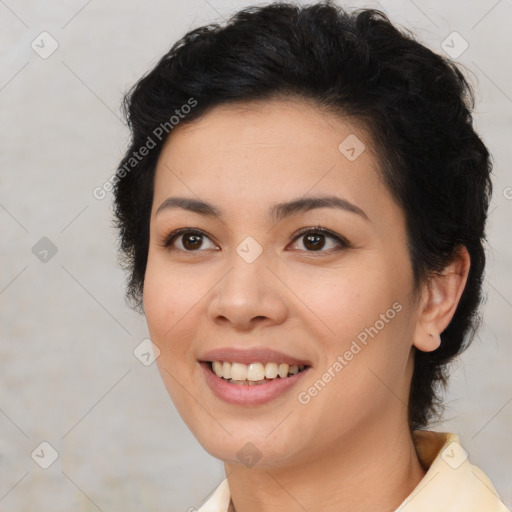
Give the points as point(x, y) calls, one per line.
point(168, 297)
point(159, 304)
point(361, 317)
point(166, 303)
point(346, 301)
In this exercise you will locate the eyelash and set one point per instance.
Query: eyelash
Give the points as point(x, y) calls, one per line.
point(343, 243)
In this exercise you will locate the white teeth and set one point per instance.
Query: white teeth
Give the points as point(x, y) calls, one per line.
point(271, 370)
point(217, 368)
point(226, 371)
point(256, 371)
point(283, 370)
point(237, 373)
point(293, 369)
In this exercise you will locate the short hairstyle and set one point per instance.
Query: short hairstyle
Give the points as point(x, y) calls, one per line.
point(415, 104)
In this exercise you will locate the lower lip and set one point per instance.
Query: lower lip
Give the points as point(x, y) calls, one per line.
point(245, 394)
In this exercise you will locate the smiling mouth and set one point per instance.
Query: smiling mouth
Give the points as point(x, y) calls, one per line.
point(253, 373)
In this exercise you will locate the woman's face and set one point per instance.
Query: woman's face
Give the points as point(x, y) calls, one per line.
point(260, 277)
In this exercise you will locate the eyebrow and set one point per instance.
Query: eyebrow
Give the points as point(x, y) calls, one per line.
point(277, 212)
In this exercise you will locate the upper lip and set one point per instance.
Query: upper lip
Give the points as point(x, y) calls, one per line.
point(251, 355)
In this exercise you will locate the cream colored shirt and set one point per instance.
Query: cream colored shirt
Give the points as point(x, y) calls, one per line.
point(451, 484)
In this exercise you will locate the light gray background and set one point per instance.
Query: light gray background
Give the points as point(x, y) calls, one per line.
point(69, 376)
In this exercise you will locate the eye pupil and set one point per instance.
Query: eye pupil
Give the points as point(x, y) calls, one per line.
point(316, 241)
point(194, 239)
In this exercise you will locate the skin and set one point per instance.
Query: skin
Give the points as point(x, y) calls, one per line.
point(350, 447)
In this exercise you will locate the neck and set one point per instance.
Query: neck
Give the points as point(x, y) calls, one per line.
point(373, 470)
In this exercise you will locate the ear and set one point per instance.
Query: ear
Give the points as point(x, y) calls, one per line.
point(438, 302)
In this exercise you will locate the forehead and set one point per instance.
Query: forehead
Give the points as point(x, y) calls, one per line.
point(268, 151)
point(269, 125)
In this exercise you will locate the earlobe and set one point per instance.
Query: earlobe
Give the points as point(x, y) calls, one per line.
point(435, 341)
point(439, 300)
point(426, 341)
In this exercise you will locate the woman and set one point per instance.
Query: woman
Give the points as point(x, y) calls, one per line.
point(302, 212)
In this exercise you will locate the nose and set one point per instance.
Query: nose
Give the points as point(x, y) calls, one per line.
point(249, 295)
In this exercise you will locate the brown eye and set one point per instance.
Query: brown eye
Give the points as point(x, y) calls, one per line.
point(191, 241)
point(314, 242)
point(187, 240)
point(318, 239)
